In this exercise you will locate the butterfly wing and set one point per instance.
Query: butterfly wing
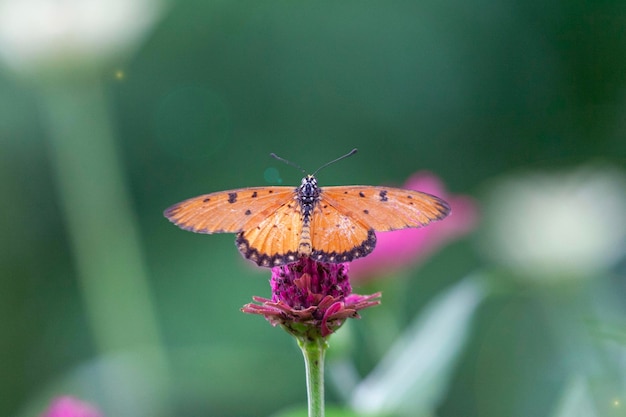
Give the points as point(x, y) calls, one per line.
point(274, 241)
point(336, 236)
point(230, 211)
point(385, 208)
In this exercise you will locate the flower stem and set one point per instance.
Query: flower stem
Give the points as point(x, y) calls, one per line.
point(103, 231)
point(313, 351)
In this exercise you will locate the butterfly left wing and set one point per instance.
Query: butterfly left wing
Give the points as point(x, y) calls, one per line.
point(229, 211)
point(275, 240)
point(385, 208)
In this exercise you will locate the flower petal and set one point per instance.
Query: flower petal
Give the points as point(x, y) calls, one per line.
point(68, 406)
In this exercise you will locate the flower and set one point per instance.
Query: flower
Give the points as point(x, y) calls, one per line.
point(311, 299)
point(409, 246)
point(68, 406)
point(556, 225)
point(60, 34)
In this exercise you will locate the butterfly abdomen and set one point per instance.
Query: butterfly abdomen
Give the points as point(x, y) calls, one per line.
point(305, 246)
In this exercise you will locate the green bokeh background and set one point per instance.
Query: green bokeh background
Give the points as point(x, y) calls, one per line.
point(468, 90)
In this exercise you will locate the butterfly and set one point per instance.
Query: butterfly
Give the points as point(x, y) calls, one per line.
point(278, 225)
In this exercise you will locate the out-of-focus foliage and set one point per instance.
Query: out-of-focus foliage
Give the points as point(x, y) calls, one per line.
point(105, 123)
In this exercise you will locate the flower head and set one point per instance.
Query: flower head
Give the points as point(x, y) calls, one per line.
point(409, 246)
point(62, 34)
point(67, 406)
point(310, 299)
point(557, 225)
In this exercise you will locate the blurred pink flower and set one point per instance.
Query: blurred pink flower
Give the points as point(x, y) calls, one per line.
point(401, 248)
point(67, 406)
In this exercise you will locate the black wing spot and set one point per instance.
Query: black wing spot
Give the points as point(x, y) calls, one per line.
point(409, 196)
point(361, 194)
point(232, 197)
point(206, 200)
point(254, 194)
point(366, 211)
point(270, 191)
point(383, 195)
point(248, 212)
point(345, 192)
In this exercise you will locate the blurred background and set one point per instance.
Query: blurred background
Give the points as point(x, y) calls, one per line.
point(111, 111)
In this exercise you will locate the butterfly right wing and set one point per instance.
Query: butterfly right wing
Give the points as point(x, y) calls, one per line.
point(230, 211)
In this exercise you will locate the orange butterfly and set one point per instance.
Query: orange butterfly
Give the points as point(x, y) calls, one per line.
point(278, 225)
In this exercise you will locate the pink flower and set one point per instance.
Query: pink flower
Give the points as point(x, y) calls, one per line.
point(397, 249)
point(310, 299)
point(67, 406)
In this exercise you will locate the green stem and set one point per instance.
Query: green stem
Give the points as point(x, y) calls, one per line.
point(313, 351)
point(102, 228)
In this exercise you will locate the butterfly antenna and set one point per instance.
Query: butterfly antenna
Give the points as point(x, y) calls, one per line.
point(273, 155)
point(352, 152)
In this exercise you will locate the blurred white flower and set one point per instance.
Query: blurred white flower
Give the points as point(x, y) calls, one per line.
point(62, 33)
point(557, 225)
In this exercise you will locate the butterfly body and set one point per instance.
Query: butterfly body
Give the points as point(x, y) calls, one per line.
point(279, 225)
point(308, 195)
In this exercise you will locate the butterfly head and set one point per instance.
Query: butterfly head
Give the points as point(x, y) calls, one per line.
point(308, 181)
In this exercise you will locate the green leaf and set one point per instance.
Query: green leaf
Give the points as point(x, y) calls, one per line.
point(576, 400)
point(414, 374)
